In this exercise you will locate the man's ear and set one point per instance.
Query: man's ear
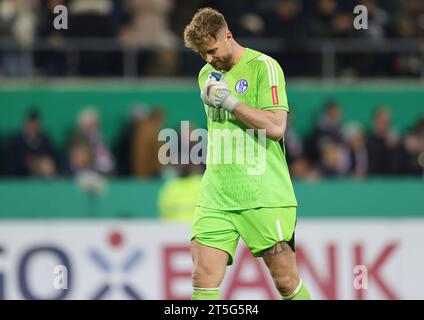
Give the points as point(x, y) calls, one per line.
point(228, 35)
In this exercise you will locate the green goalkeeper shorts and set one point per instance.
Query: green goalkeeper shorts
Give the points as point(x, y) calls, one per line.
point(260, 228)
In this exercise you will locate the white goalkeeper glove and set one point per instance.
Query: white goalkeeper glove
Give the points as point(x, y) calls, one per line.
point(216, 93)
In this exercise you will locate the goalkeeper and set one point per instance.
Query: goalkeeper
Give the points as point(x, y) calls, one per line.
point(242, 89)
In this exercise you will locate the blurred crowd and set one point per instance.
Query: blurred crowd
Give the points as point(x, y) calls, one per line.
point(31, 151)
point(154, 28)
point(337, 149)
point(332, 148)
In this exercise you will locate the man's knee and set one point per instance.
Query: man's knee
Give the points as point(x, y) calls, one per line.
point(205, 276)
point(286, 284)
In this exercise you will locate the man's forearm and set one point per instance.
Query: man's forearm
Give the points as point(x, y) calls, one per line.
point(273, 121)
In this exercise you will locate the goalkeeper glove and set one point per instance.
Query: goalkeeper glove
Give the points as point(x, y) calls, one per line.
point(216, 93)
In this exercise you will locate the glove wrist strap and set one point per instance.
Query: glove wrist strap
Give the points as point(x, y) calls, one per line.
point(230, 103)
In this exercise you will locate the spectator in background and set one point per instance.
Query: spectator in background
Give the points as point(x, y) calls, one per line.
point(321, 23)
point(379, 28)
point(378, 20)
point(342, 25)
point(407, 64)
point(145, 146)
point(178, 197)
point(89, 136)
point(18, 22)
point(124, 145)
point(182, 11)
point(93, 19)
point(54, 61)
point(334, 158)
point(185, 148)
point(377, 142)
point(291, 141)
point(286, 22)
point(325, 147)
point(246, 18)
point(382, 145)
point(414, 148)
point(189, 146)
point(80, 160)
point(328, 128)
point(30, 152)
point(357, 149)
point(148, 29)
point(301, 168)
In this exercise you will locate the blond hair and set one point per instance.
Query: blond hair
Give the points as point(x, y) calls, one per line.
point(206, 24)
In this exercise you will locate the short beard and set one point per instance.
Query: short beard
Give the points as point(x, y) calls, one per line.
point(225, 64)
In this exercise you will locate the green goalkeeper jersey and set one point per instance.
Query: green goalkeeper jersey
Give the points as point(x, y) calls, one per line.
point(244, 169)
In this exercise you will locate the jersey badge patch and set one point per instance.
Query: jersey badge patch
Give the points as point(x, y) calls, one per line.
point(241, 86)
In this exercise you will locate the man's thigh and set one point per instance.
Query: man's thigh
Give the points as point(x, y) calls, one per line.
point(263, 228)
point(215, 228)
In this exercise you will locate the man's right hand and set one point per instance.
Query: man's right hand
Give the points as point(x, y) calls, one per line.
point(216, 93)
point(210, 83)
